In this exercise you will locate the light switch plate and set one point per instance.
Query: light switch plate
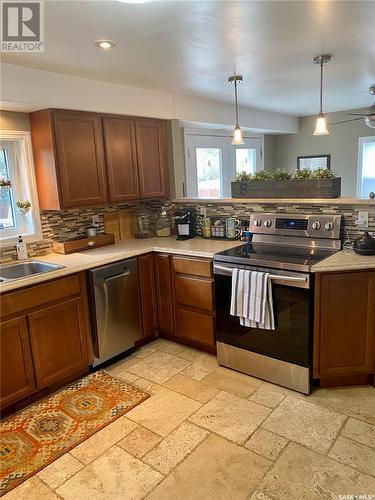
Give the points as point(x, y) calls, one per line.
point(203, 211)
point(95, 221)
point(362, 220)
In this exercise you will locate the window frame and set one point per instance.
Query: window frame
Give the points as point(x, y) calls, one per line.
point(228, 154)
point(361, 144)
point(31, 231)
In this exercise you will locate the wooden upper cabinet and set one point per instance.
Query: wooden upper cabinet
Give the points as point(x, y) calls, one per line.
point(344, 324)
point(152, 158)
point(121, 159)
point(69, 159)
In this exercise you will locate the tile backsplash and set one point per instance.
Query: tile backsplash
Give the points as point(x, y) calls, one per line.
point(72, 223)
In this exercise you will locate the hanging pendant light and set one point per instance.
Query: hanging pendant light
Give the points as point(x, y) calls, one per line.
point(237, 132)
point(321, 124)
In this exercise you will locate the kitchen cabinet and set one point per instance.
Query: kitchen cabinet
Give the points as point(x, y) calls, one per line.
point(45, 337)
point(69, 159)
point(17, 375)
point(344, 333)
point(147, 293)
point(121, 159)
point(164, 294)
point(152, 158)
point(85, 159)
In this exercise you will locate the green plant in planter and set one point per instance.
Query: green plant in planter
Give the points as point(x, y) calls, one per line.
point(280, 174)
point(24, 206)
point(302, 173)
point(243, 176)
point(5, 183)
point(262, 175)
point(323, 173)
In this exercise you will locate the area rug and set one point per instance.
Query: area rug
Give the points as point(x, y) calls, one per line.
point(38, 435)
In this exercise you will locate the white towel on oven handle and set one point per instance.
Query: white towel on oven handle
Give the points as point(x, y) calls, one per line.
point(251, 299)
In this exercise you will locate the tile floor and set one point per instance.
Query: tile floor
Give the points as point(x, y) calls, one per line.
point(211, 433)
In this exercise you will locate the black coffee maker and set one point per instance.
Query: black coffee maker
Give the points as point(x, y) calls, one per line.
point(185, 221)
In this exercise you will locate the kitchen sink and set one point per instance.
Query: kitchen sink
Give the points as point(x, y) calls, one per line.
point(20, 270)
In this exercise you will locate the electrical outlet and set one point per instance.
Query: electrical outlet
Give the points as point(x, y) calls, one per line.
point(362, 220)
point(95, 221)
point(203, 211)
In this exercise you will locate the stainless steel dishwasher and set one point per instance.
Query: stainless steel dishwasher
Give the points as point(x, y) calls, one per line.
point(115, 308)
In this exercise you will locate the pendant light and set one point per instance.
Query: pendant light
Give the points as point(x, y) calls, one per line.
point(237, 132)
point(321, 124)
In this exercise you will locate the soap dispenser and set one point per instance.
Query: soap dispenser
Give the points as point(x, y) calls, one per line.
point(21, 249)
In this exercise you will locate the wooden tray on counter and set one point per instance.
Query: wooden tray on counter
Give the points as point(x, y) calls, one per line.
point(81, 244)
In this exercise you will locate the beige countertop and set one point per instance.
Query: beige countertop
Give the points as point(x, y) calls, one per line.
point(80, 261)
point(345, 260)
point(197, 247)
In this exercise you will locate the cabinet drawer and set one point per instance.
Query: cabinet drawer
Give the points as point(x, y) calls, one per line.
point(195, 326)
point(194, 292)
point(194, 267)
point(38, 295)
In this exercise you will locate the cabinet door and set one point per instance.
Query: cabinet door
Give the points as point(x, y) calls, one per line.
point(120, 151)
point(164, 293)
point(17, 375)
point(146, 275)
point(152, 158)
point(80, 155)
point(192, 325)
point(59, 341)
point(347, 323)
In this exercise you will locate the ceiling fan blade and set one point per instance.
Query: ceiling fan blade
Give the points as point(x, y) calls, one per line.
point(346, 121)
point(355, 114)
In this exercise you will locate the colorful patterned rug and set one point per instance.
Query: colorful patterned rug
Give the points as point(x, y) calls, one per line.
point(38, 435)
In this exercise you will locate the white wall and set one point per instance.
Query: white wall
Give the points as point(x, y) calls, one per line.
point(341, 144)
point(36, 89)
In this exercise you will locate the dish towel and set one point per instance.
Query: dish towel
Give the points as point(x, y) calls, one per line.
point(252, 299)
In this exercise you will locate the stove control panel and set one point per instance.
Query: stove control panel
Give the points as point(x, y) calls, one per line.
point(307, 225)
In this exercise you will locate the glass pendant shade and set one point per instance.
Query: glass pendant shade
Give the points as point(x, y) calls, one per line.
point(237, 136)
point(321, 125)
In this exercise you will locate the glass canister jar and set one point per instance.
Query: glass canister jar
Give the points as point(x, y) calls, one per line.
point(163, 224)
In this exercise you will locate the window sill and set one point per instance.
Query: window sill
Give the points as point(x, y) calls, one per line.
point(11, 241)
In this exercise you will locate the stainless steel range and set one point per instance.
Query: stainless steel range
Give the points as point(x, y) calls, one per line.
point(286, 246)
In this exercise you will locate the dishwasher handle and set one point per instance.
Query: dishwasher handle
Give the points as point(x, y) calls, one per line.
point(116, 276)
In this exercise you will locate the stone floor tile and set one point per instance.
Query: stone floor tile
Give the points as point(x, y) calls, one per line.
point(259, 495)
point(196, 371)
point(164, 411)
point(266, 443)
point(215, 470)
point(121, 373)
point(175, 447)
point(144, 351)
point(114, 475)
point(158, 367)
point(267, 396)
point(357, 402)
point(180, 350)
point(139, 441)
point(360, 432)
point(31, 489)
point(192, 388)
point(300, 473)
point(102, 440)
point(233, 382)
point(356, 455)
point(230, 416)
point(209, 361)
point(60, 470)
point(305, 423)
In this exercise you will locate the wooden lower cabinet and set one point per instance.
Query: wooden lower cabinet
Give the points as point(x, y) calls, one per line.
point(147, 294)
point(45, 337)
point(17, 374)
point(344, 336)
point(58, 341)
point(164, 294)
point(195, 326)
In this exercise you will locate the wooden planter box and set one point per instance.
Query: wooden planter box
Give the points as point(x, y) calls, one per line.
point(293, 188)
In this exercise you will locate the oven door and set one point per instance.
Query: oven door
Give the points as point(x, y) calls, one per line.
point(291, 341)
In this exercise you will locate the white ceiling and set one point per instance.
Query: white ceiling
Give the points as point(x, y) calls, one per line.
point(191, 47)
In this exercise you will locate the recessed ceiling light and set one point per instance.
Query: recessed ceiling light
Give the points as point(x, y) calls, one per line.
point(105, 44)
point(134, 1)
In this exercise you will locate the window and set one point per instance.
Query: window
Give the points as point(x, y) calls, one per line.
point(212, 161)
point(17, 186)
point(366, 166)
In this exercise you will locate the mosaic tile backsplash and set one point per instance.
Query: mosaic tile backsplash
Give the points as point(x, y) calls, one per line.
point(66, 224)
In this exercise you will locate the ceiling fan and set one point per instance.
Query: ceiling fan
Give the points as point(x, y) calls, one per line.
point(368, 115)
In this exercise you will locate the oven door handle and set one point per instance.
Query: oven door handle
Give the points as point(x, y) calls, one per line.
point(291, 279)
